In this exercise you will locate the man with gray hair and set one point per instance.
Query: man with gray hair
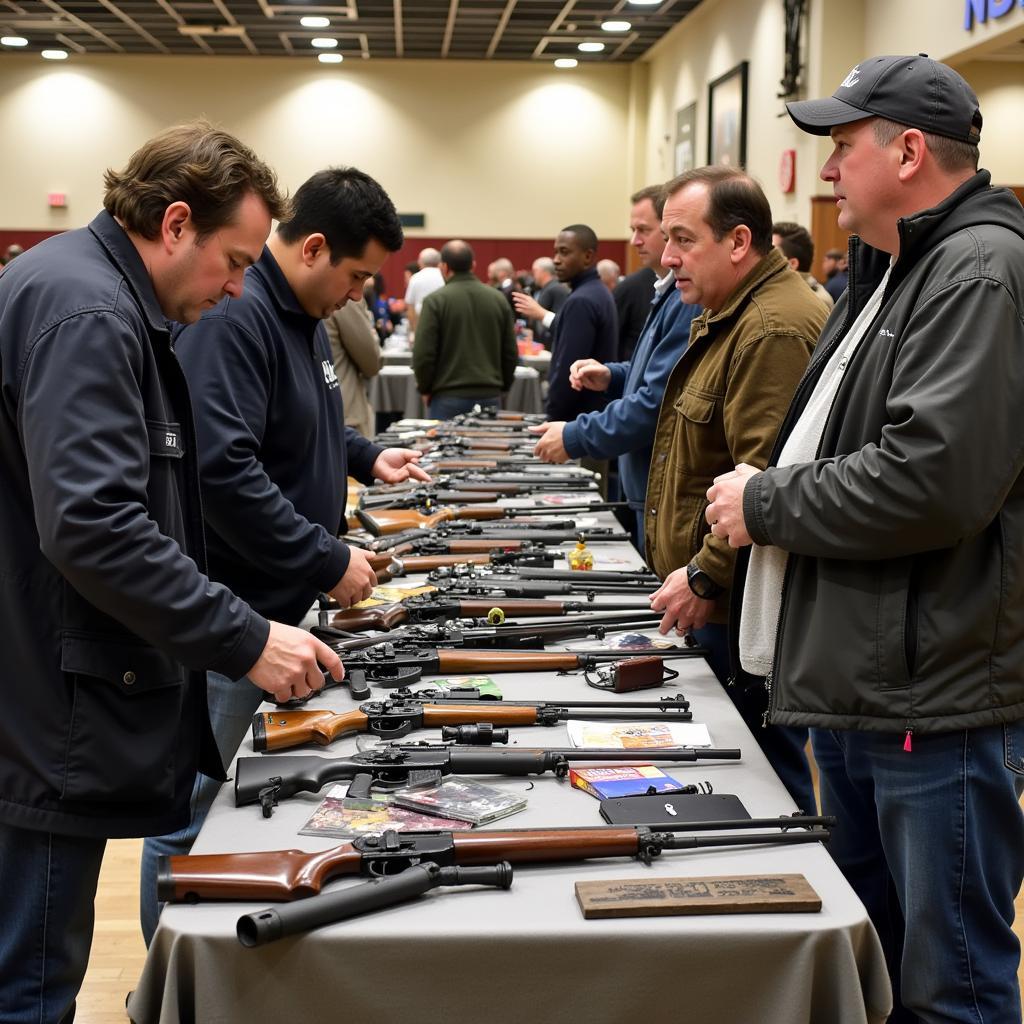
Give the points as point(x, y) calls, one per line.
point(550, 296)
point(426, 280)
point(610, 273)
point(883, 595)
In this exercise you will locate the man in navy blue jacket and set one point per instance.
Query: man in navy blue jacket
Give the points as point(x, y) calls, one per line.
point(585, 328)
point(109, 617)
point(273, 446)
point(625, 427)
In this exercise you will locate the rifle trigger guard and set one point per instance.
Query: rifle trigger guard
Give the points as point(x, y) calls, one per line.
point(560, 767)
point(268, 795)
point(387, 677)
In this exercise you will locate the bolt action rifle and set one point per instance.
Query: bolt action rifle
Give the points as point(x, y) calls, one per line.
point(286, 875)
point(390, 719)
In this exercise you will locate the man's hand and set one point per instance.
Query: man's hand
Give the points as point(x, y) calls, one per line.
point(394, 465)
point(725, 513)
point(288, 668)
point(589, 374)
point(358, 582)
point(528, 307)
point(683, 609)
point(550, 447)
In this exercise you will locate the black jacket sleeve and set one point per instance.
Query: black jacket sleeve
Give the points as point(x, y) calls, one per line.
point(87, 447)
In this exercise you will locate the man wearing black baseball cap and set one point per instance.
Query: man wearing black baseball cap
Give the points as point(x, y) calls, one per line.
point(891, 518)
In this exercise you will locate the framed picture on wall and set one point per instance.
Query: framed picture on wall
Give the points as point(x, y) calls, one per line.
point(685, 152)
point(727, 118)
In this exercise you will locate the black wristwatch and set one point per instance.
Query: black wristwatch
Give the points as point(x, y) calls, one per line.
point(702, 584)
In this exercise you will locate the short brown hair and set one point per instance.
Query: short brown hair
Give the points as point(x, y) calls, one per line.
point(951, 155)
point(734, 198)
point(796, 243)
point(656, 194)
point(195, 163)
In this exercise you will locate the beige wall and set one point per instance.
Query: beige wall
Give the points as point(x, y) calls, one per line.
point(484, 149)
point(721, 33)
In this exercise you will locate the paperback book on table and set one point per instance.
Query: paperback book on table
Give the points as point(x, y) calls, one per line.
point(622, 780)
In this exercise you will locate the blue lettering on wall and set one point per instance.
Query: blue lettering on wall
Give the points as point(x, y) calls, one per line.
point(981, 10)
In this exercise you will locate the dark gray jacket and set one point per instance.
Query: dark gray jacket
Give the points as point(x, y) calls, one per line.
point(102, 596)
point(903, 601)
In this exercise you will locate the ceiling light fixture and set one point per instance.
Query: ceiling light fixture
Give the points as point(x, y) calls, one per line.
point(616, 26)
point(590, 47)
point(645, 3)
point(330, 58)
point(54, 55)
point(324, 43)
point(314, 21)
point(566, 62)
point(13, 41)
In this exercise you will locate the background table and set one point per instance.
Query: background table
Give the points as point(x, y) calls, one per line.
point(393, 391)
point(528, 954)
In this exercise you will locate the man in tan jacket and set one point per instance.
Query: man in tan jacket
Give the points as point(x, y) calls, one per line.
point(355, 350)
point(723, 404)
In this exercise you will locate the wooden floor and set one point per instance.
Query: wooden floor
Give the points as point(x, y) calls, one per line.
point(118, 951)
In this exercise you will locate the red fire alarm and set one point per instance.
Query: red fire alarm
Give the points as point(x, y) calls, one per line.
point(787, 171)
point(56, 199)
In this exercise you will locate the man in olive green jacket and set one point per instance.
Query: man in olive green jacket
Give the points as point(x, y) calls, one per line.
point(723, 404)
point(465, 351)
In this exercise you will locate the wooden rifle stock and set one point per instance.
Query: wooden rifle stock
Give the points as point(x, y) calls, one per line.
point(381, 616)
point(285, 875)
point(281, 730)
point(381, 522)
point(473, 662)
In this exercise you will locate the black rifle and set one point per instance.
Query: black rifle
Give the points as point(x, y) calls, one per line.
point(268, 781)
point(424, 541)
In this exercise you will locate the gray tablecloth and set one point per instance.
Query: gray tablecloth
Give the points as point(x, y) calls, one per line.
point(393, 390)
point(528, 954)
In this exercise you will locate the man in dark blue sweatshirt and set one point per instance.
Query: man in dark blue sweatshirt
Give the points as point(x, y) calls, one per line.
point(625, 427)
point(586, 326)
point(274, 450)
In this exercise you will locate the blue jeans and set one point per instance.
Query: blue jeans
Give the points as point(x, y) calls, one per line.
point(232, 704)
point(932, 840)
point(784, 746)
point(444, 407)
point(47, 887)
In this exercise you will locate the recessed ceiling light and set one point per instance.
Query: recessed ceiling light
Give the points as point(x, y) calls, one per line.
point(330, 58)
point(14, 41)
point(314, 21)
point(324, 43)
point(590, 47)
point(54, 54)
point(645, 3)
point(566, 62)
point(616, 26)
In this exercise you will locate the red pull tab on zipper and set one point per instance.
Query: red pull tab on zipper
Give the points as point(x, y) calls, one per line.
point(907, 745)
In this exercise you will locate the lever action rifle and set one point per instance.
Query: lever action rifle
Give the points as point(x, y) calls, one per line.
point(465, 586)
point(380, 522)
point(267, 781)
point(387, 567)
point(505, 484)
point(506, 536)
point(285, 875)
point(390, 719)
point(428, 608)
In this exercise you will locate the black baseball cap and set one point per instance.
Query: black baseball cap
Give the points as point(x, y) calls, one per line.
point(915, 91)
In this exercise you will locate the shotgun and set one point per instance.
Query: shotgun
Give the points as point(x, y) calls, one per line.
point(380, 522)
point(269, 780)
point(494, 609)
point(285, 875)
point(388, 567)
point(390, 719)
point(504, 534)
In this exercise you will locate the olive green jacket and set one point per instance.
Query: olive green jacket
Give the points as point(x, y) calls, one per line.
point(723, 405)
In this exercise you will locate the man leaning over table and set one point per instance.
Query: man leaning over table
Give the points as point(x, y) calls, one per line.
point(274, 451)
point(726, 394)
point(109, 618)
point(884, 594)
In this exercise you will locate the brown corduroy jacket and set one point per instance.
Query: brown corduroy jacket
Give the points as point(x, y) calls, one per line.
point(723, 405)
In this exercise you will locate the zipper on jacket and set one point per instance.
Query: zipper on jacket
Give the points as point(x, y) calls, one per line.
point(768, 707)
point(908, 744)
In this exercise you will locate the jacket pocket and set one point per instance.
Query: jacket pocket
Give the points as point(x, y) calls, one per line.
point(125, 719)
point(696, 408)
point(896, 624)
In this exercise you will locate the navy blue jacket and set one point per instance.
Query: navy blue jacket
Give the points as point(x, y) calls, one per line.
point(626, 426)
point(274, 450)
point(102, 593)
point(586, 328)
